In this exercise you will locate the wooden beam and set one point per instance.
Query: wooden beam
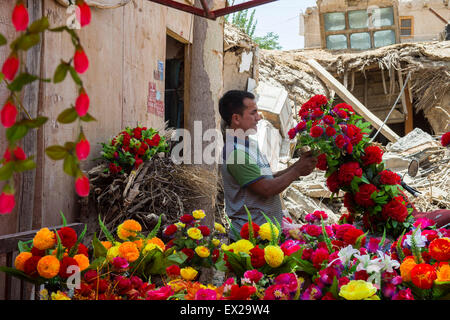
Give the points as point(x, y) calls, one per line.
point(346, 95)
point(409, 124)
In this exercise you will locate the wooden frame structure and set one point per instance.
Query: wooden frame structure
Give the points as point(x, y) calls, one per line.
point(410, 28)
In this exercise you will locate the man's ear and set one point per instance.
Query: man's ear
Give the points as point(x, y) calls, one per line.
point(235, 118)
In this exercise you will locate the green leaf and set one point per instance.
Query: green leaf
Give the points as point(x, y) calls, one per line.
point(69, 145)
point(108, 235)
point(99, 248)
point(74, 250)
point(305, 266)
point(3, 40)
point(335, 288)
point(60, 72)
point(359, 240)
point(56, 152)
point(16, 132)
point(20, 275)
point(75, 76)
point(23, 246)
point(6, 171)
point(238, 267)
point(97, 263)
point(274, 240)
point(59, 247)
point(250, 226)
point(383, 239)
point(70, 165)
point(327, 239)
point(34, 123)
point(155, 230)
point(63, 218)
point(177, 258)
point(67, 116)
point(22, 80)
point(27, 41)
point(39, 25)
point(2, 76)
point(24, 165)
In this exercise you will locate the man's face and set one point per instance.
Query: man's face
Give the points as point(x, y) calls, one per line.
point(249, 118)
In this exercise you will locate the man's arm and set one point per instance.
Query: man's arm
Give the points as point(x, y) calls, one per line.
point(270, 187)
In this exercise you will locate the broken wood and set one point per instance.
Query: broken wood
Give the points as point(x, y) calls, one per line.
point(346, 95)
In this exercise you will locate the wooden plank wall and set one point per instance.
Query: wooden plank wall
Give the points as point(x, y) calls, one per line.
point(124, 46)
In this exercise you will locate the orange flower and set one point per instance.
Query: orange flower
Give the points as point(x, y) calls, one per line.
point(48, 267)
point(128, 229)
point(129, 251)
point(440, 249)
point(19, 263)
point(106, 244)
point(82, 260)
point(139, 243)
point(405, 268)
point(158, 242)
point(44, 239)
point(66, 253)
point(443, 273)
point(423, 276)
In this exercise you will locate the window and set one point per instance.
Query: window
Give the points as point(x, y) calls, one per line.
point(406, 27)
point(360, 29)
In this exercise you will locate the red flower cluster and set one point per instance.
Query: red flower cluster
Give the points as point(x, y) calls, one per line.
point(68, 237)
point(257, 257)
point(363, 196)
point(389, 177)
point(372, 154)
point(245, 232)
point(348, 171)
point(322, 163)
point(395, 209)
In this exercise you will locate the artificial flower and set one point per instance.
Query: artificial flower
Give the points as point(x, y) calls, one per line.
point(188, 273)
point(195, 233)
point(198, 214)
point(48, 267)
point(357, 290)
point(273, 255)
point(265, 231)
point(44, 239)
point(20, 260)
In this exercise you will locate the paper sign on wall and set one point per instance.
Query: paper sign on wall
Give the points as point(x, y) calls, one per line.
point(154, 105)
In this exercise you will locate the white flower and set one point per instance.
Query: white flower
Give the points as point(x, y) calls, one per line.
point(345, 255)
point(388, 263)
point(418, 238)
point(366, 263)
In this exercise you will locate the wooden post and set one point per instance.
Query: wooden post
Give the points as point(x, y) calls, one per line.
point(346, 95)
point(409, 123)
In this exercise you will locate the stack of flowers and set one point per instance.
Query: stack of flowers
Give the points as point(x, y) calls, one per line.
point(196, 245)
point(132, 147)
point(52, 257)
point(339, 137)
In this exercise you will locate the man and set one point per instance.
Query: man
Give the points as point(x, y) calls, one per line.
point(247, 177)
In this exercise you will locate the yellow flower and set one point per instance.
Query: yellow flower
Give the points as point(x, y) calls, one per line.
point(59, 296)
point(357, 290)
point(215, 242)
point(48, 267)
point(19, 263)
point(225, 247)
point(112, 253)
point(129, 251)
point(274, 256)
point(202, 251)
point(43, 294)
point(219, 227)
point(180, 225)
point(188, 273)
point(374, 297)
point(443, 273)
point(195, 233)
point(158, 242)
point(178, 284)
point(242, 245)
point(128, 228)
point(44, 239)
point(198, 214)
point(82, 260)
point(265, 231)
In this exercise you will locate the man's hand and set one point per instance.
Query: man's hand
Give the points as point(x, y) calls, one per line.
point(306, 164)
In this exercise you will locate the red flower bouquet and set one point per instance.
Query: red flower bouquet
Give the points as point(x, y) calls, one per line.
point(132, 147)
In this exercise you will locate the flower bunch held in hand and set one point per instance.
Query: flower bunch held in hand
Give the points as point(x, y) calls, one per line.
point(131, 147)
point(338, 135)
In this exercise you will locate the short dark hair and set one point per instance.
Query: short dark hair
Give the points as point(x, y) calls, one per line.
point(233, 102)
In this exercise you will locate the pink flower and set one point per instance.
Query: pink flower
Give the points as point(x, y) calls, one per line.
point(85, 13)
point(289, 280)
point(82, 186)
point(327, 275)
point(20, 17)
point(300, 126)
point(290, 246)
point(205, 294)
point(374, 244)
point(7, 202)
point(405, 294)
point(8, 114)
point(313, 292)
point(253, 275)
point(389, 290)
point(313, 230)
point(82, 149)
point(82, 104)
point(120, 263)
point(320, 214)
point(160, 294)
point(424, 223)
point(80, 60)
point(277, 292)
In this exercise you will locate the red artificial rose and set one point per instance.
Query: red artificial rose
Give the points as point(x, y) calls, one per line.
point(341, 114)
point(361, 275)
point(352, 235)
point(20, 17)
point(313, 230)
point(363, 196)
point(317, 113)
point(141, 151)
point(319, 256)
point(10, 67)
point(330, 131)
point(333, 182)
point(318, 101)
point(189, 252)
point(372, 154)
point(316, 131)
point(292, 133)
point(241, 293)
point(245, 231)
point(85, 13)
point(82, 186)
point(80, 60)
point(82, 104)
point(82, 149)
point(30, 266)
point(354, 133)
point(82, 249)
point(7, 202)
point(170, 230)
point(300, 126)
point(322, 163)
point(329, 120)
point(137, 133)
point(68, 237)
point(348, 202)
point(204, 230)
point(8, 114)
point(395, 209)
point(154, 142)
point(37, 253)
point(340, 141)
point(389, 177)
point(187, 218)
point(173, 270)
point(214, 255)
point(19, 154)
point(445, 139)
point(257, 257)
point(348, 171)
point(90, 276)
point(342, 229)
point(423, 276)
point(66, 262)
